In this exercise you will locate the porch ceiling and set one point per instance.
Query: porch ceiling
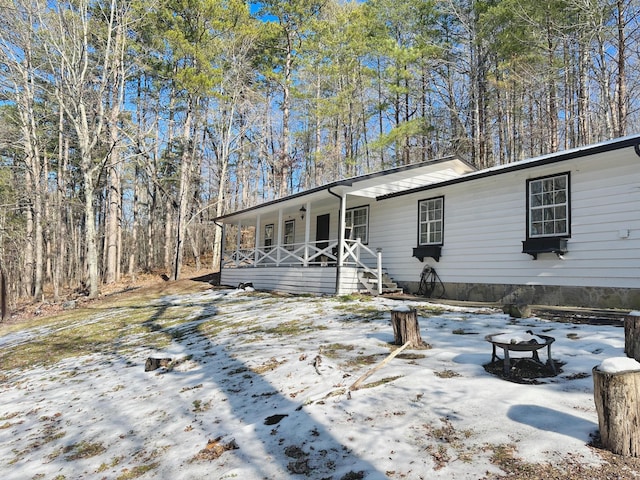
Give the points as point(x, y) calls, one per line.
point(411, 178)
point(369, 186)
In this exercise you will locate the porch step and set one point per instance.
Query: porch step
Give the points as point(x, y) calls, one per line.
point(370, 282)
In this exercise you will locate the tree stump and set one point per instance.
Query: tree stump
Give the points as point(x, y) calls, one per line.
point(405, 327)
point(616, 397)
point(517, 310)
point(155, 363)
point(632, 335)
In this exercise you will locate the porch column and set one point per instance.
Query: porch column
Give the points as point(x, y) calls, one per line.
point(238, 243)
point(307, 231)
point(256, 255)
point(223, 246)
point(279, 238)
point(343, 214)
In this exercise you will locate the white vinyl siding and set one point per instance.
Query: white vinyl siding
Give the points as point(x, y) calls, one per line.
point(284, 279)
point(486, 227)
point(431, 221)
point(296, 280)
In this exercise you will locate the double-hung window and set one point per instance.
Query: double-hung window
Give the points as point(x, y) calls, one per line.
point(548, 207)
point(289, 233)
point(268, 237)
point(431, 221)
point(357, 223)
point(548, 215)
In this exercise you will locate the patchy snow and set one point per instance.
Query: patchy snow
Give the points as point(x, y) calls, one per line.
point(401, 309)
point(514, 338)
point(619, 364)
point(247, 399)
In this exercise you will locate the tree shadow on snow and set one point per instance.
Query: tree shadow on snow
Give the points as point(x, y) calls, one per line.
point(550, 420)
point(291, 439)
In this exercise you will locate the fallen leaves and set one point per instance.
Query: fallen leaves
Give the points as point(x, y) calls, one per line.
point(214, 449)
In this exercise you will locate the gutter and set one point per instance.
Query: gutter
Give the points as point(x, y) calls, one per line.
point(624, 142)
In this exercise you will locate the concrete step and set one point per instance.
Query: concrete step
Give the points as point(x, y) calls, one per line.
point(370, 281)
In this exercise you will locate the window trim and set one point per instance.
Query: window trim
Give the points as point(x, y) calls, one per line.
point(567, 233)
point(366, 225)
point(268, 246)
point(427, 244)
point(285, 244)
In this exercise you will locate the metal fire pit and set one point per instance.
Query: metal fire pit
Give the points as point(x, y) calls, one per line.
point(514, 345)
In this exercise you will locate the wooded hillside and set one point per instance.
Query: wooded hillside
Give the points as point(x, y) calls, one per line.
point(126, 126)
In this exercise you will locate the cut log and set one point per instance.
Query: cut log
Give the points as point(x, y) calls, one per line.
point(616, 396)
point(632, 336)
point(406, 328)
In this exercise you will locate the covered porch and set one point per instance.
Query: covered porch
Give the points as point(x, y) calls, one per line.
point(319, 241)
point(307, 268)
point(274, 252)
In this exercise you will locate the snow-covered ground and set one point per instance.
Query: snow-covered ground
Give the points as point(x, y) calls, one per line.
point(259, 389)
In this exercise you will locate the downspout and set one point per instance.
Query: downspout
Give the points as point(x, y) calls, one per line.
point(340, 239)
point(221, 249)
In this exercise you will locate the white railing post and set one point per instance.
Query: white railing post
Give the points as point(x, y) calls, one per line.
point(379, 255)
point(280, 238)
point(258, 241)
point(238, 243)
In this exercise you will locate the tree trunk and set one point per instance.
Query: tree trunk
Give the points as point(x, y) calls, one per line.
point(4, 311)
point(183, 193)
point(406, 328)
point(621, 78)
point(131, 270)
point(29, 248)
point(91, 248)
point(168, 220)
point(552, 106)
point(112, 221)
point(284, 158)
point(616, 399)
point(632, 336)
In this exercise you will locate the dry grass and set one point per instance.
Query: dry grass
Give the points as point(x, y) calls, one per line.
point(99, 325)
point(74, 336)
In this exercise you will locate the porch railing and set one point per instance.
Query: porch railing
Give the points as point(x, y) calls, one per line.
point(323, 253)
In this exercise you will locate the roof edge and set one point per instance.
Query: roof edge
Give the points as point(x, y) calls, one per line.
point(346, 182)
point(556, 157)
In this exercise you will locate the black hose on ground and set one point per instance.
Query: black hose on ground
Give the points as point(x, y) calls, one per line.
point(429, 281)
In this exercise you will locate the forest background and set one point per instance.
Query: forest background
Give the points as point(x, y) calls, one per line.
point(127, 126)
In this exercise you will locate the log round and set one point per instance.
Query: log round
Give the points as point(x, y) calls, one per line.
point(406, 328)
point(617, 396)
point(632, 336)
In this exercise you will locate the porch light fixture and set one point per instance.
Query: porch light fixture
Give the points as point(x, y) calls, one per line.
point(303, 210)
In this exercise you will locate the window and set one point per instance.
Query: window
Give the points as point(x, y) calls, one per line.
point(431, 221)
point(268, 236)
point(548, 207)
point(289, 233)
point(357, 224)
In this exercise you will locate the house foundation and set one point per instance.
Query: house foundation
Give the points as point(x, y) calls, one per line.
point(591, 297)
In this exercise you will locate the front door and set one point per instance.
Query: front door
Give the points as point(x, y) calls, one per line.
point(322, 231)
